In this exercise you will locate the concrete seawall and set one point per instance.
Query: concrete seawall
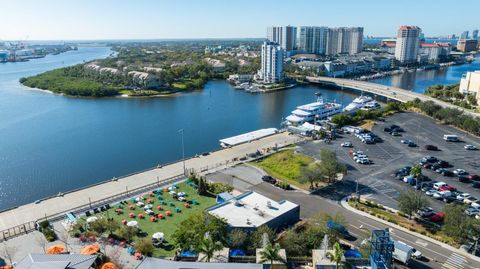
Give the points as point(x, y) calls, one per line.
point(107, 191)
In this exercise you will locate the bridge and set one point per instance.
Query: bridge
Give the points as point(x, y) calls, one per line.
point(389, 92)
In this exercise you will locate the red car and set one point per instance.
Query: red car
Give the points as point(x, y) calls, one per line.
point(447, 188)
point(439, 217)
point(473, 177)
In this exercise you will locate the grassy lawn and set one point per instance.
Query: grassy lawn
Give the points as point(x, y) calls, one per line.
point(285, 165)
point(412, 225)
point(167, 225)
point(179, 85)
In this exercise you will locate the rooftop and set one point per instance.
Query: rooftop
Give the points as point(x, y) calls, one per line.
point(251, 209)
point(247, 137)
point(57, 261)
point(154, 263)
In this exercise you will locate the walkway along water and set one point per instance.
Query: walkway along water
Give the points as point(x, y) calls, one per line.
point(20, 220)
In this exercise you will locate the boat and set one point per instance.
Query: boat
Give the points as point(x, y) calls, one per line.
point(357, 103)
point(372, 105)
point(318, 110)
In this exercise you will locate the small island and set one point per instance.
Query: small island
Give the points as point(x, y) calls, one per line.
point(151, 69)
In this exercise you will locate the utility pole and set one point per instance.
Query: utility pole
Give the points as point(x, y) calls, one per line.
point(183, 151)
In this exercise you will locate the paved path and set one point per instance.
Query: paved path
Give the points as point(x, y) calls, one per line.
point(216, 160)
point(389, 92)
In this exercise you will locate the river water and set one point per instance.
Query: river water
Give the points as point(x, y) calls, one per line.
point(50, 143)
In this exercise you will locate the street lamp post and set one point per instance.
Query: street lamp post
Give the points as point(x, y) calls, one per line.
point(183, 151)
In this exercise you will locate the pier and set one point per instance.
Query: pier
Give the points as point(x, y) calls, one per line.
point(21, 219)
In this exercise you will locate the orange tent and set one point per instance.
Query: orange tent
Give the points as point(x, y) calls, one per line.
point(56, 249)
point(90, 249)
point(6, 267)
point(108, 265)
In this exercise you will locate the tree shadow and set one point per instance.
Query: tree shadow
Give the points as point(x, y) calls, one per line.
point(338, 190)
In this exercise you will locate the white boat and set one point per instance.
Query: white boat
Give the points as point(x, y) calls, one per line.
point(372, 105)
point(319, 110)
point(357, 103)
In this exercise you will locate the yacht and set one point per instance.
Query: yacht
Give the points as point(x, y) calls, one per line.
point(372, 105)
point(357, 103)
point(319, 110)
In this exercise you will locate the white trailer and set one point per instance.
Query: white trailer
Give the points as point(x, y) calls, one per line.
point(403, 252)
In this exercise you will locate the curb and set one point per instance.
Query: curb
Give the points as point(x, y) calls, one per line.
point(345, 205)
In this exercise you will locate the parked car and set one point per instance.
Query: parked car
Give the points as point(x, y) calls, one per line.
point(405, 141)
point(475, 204)
point(430, 192)
point(430, 147)
point(474, 177)
point(438, 185)
point(347, 144)
point(395, 134)
point(476, 185)
point(427, 165)
point(425, 212)
point(471, 211)
point(269, 179)
point(443, 164)
point(447, 173)
point(438, 217)
point(463, 196)
point(447, 188)
point(460, 172)
point(429, 159)
point(470, 147)
point(464, 179)
point(470, 200)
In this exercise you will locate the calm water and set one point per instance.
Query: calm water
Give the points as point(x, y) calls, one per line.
point(50, 143)
point(421, 80)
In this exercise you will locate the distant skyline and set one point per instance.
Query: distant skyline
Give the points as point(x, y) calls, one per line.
point(162, 19)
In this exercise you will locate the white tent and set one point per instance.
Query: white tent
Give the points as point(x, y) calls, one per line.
point(159, 236)
point(91, 219)
point(132, 223)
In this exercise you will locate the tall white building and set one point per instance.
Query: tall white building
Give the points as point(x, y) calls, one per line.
point(470, 84)
point(344, 40)
point(271, 69)
point(285, 36)
point(407, 45)
point(464, 35)
point(312, 39)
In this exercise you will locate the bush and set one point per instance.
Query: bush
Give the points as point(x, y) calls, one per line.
point(49, 235)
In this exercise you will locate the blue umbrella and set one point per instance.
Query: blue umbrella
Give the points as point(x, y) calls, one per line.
point(237, 252)
point(353, 253)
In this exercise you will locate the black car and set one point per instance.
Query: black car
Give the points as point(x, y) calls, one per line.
point(398, 129)
point(429, 159)
point(387, 129)
point(412, 144)
point(449, 199)
point(430, 147)
point(435, 166)
point(476, 185)
point(447, 173)
point(464, 179)
point(269, 179)
point(443, 164)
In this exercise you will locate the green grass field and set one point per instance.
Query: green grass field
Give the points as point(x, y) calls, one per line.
point(285, 165)
point(168, 225)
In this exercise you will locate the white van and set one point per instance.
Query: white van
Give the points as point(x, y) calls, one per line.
point(451, 138)
point(440, 184)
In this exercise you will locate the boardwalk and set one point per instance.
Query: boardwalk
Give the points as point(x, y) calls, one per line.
point(57, 205)
point(389, 92)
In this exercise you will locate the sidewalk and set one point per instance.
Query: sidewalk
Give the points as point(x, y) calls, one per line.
point(345, 205)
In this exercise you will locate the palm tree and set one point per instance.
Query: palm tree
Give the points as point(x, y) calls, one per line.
point(336, 255)
point(271, 253)
point(208, 247)
point(416, 171)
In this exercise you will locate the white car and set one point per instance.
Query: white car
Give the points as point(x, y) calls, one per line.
point(416, 254)
point(437, 195)
point(460, 172)
point(359, 156)
point(363, 161)
point(475, 204)
point(470, 200)
point(430, 192)
point(347, 144)
point(407, 178)
point(469, 147)
point(461, 197)
point(358, 152)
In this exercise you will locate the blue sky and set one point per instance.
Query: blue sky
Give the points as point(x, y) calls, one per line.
point(137, 19)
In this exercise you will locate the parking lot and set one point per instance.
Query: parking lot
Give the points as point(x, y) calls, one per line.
point(377, 181)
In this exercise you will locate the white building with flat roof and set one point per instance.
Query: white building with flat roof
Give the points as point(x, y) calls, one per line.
point(285, 36)
point(344, 40)
point(407, 44)
point(251, 210)
point(470, 84)
point(271, 68)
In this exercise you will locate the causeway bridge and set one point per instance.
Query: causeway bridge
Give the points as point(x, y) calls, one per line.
point(388, 92)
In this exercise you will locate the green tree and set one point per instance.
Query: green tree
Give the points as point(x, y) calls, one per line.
point(190, 232)
point(458, 225)
point(256, 239)
point(329, 166)
point(416, 171)
point(410, 201)
point(208, 247)
point(336, 255)
point(127, 232)
point(311, 174)
point(99, 226)
point(144, 246)
point(271, 253)
point(237, 238)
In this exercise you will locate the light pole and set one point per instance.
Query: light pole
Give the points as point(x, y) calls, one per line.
point(183, 151)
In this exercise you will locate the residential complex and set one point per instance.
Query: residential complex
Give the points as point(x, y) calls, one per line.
point(348, 40)
point(312, 39)
point(464, 35)
point(407, 44)
point(317, 39)
point(475, 34)
point(470, 84)
point(285, 36)
point(271, 68)
point(467, 45)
